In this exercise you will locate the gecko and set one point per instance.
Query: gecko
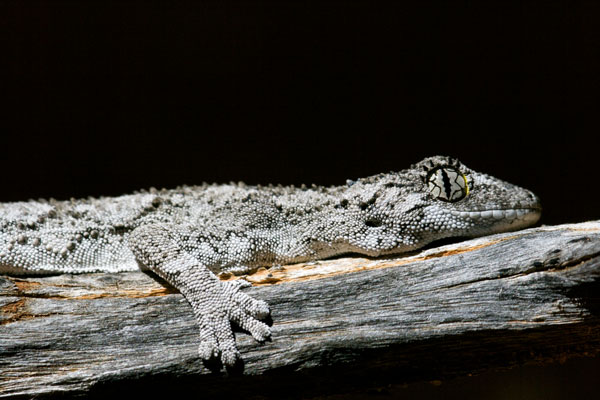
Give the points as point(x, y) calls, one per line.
point(191, 234)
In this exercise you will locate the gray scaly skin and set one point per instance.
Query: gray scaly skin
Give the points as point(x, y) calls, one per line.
point(189, 234)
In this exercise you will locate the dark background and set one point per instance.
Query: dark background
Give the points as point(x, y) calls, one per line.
point(101, 98)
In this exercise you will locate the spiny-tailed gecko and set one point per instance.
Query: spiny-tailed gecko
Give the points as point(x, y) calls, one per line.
point(189, 234)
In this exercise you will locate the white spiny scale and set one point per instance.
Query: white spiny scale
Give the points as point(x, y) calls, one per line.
point(188, 234)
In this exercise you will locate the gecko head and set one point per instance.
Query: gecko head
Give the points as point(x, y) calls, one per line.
point(438, 198)
point(479, 203)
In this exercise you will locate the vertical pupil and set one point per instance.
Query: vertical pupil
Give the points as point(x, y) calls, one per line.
point(447, 184)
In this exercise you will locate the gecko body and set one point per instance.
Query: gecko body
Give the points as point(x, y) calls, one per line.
point(189, 234)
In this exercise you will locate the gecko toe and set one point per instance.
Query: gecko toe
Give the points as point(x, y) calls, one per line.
point(230, 357)
point(261, 309)
point(258, 309)
point(209, 345)
point(260, 331)
point(208, 351)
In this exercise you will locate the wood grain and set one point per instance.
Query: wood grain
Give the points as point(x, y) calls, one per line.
point(457, 309)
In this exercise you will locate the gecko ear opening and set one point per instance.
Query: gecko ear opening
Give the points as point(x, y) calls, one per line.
point(447, 183)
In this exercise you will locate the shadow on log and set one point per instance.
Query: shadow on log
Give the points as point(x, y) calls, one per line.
point(448, 311)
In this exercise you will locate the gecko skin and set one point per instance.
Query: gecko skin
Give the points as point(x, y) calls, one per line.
point(189, 234)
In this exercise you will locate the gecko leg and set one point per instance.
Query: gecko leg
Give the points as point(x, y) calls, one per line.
point(215, 303)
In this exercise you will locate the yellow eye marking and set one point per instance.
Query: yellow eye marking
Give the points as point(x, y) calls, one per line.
point(466, 185)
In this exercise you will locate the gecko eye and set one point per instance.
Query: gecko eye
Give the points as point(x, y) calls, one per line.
point(447, 184)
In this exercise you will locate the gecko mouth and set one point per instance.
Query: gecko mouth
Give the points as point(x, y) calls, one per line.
point(499, 220)
point(502, 214)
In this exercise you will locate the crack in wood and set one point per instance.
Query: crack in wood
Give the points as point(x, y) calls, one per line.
point(32, 289)
point(327, 268)
point(16, 312)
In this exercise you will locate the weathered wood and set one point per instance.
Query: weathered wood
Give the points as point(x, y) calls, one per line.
point(460, 308)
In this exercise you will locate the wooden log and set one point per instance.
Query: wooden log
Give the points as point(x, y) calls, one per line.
point(457, 309)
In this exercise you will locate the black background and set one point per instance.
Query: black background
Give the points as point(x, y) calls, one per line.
point(101, 98)
point(104, 98)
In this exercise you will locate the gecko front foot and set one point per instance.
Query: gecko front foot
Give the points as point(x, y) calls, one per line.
point(215, 303)
point(215, 307)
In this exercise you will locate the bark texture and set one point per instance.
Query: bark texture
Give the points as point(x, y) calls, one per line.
point(451, 310)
